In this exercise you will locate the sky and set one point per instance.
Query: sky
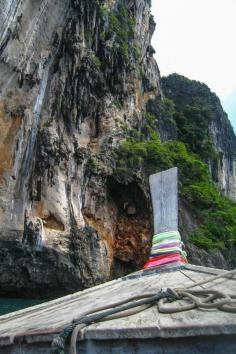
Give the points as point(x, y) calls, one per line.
point(196, 38)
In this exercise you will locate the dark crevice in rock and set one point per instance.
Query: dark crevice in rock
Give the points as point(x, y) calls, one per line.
point(131, 214)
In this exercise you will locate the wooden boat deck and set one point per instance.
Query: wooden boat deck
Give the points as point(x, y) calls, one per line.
point(40, 323)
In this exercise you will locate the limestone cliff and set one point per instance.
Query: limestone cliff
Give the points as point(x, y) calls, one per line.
point(218, 129)
point(74, 76)
point(205, 129)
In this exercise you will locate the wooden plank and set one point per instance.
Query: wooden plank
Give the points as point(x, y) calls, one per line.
point(164, 192)
point(226, 285)
point(50, 319)
point(43, 322)
point(202, 269)
point(204, 345)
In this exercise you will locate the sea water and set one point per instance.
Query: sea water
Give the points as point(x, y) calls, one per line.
point(10, 305)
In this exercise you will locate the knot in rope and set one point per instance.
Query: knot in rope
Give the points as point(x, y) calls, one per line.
point(203, 299)
point(186, 298)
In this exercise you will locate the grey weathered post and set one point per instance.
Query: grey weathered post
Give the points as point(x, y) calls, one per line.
point(164, 191)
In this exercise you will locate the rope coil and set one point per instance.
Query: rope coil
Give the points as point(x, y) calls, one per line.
point(211, 299)
point(187, 298)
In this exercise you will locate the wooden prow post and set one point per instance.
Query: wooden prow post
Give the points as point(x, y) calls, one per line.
point(164, 192)
point(166, 250)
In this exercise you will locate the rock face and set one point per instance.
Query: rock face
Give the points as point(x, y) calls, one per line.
point(218, 129)
point(224, 171)
point(188, 222)
point(74, 75)
point(34, 233)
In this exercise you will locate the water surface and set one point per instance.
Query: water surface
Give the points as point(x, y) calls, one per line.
point(10, 305)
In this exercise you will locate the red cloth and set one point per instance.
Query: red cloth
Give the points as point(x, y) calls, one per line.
point(160, 260)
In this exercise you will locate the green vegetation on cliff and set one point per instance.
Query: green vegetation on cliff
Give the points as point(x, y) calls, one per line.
point(195, 105)
point(122, 25)
point(144, 151)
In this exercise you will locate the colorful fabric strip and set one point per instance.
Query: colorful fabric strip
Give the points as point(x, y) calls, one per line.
point(166, 249)
point(164, 245)
point(172, 239)
point(182, 253)
point(167, 236)
point(165, 260)
point(162, 254)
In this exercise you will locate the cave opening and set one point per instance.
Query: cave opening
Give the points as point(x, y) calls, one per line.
point(132, 226)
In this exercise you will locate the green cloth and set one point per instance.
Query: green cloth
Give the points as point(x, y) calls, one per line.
point(167, 249)
point(166, 236)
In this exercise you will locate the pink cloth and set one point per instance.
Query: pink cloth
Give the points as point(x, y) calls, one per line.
point(160, 260)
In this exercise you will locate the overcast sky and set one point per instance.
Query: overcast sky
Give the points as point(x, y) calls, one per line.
point(196, 38)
